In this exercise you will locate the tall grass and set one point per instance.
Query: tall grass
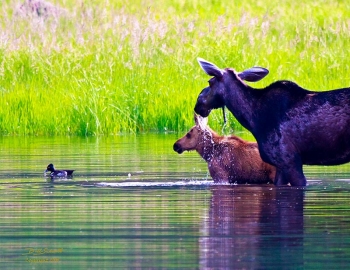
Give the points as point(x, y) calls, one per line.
point(102, 67)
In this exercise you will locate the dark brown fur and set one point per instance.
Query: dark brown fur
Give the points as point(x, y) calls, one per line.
point(230, 159)
point(292, 126)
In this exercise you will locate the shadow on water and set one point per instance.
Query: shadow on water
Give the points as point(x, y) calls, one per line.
point(253, 228)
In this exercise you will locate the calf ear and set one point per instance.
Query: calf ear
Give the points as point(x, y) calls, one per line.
point(196, 119)
point(253, 74)
point(210, 68)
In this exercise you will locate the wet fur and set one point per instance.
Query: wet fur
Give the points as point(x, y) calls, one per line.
point(230, 159)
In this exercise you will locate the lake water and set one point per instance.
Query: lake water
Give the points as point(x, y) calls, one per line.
point(134, 203)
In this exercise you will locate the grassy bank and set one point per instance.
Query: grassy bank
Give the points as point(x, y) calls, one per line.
point(105, 68)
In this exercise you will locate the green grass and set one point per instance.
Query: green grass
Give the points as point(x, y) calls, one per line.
point(105, 68)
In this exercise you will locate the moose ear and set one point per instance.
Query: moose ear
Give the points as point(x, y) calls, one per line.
point(196, 118)
point(253, 74)
point(210, 68)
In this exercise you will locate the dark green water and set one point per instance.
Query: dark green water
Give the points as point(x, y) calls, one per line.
point(134, 203)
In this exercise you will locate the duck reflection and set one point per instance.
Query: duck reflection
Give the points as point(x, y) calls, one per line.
point(253, 227)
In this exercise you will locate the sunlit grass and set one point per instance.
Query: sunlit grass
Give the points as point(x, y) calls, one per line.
point(103, 67)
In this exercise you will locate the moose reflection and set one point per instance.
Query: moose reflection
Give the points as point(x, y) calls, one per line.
point(253, 227)
point(292, 126)
point(230, 159)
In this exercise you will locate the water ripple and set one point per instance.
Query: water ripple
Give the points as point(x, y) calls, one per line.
point(159, 184)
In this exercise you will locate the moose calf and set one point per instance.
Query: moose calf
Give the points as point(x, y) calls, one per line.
point(230, 159)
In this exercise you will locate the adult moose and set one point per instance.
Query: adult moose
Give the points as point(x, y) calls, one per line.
point(293, 126)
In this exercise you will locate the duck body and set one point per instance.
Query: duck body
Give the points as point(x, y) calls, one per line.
point(58, 173)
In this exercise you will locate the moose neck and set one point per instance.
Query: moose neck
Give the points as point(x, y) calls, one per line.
point(241, 100)
point(205, 146)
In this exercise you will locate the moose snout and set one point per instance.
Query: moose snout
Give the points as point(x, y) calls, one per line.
point(199, 109)
point(177, 148)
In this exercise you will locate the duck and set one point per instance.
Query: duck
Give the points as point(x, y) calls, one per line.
point(58, 173)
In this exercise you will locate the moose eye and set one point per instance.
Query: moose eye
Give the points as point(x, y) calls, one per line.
point(188, 136)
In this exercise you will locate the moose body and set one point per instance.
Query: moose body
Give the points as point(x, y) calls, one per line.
point(230, 159)
point(293, 126)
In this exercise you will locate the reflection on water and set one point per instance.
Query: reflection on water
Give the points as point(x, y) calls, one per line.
point(134, 203)
point(253, 228)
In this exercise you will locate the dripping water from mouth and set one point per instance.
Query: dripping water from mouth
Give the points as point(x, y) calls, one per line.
point(225, 120)
point(224, 115)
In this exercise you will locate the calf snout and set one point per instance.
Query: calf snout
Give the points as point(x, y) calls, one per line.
point(177, 148)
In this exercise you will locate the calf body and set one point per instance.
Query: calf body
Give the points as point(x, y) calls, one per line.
point(292, 126)
point(230, 159)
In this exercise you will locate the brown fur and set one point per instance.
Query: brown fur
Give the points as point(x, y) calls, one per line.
point(230, 159)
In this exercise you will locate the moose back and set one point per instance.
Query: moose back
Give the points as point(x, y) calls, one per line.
point(293, 126)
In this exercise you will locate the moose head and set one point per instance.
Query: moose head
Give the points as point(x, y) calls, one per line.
point(215, 95)
point(198, 135)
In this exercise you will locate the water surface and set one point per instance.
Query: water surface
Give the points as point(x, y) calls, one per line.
point(134, 203)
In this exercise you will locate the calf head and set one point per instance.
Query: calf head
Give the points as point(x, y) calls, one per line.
point(192, 138)
point(223, 80)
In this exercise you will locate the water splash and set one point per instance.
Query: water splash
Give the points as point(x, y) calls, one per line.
point(161, 184)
